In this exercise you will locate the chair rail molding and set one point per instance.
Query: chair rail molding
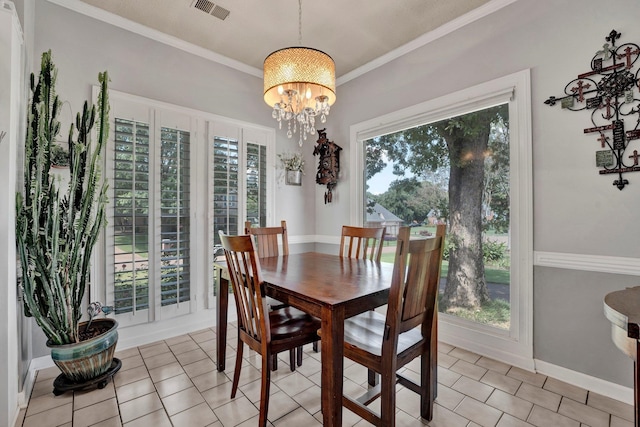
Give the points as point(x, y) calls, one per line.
point(596, 263)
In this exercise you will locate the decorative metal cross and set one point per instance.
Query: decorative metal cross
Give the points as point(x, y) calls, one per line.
point(611, 99)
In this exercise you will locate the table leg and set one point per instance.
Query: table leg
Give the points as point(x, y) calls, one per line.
point(332, 365)
point(222, 302)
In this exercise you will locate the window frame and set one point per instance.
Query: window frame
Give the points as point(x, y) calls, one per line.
point(516, 345)
point(201, 282)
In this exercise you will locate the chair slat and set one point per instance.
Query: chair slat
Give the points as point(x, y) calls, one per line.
point(362, 242)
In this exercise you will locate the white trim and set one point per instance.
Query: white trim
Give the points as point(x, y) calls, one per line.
point(451, 26)
point(578, 379)
point(515, 345)
point(120, 22)
point(159, 36)
point(597, 263)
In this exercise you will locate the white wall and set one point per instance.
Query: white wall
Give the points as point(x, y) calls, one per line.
point(576, 210)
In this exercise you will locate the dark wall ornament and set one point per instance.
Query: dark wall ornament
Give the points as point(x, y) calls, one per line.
point(328, 164)
point(610, 90)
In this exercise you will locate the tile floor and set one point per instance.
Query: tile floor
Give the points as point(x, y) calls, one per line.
point(175, 383)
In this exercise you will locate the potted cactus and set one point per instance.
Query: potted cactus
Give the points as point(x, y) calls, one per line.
point(57, 228)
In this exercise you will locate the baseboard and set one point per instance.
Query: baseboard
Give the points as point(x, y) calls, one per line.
point(578, 379)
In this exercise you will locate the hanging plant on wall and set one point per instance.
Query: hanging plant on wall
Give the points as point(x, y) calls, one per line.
point(293, 165)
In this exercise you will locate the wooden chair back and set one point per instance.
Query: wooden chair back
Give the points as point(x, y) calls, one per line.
point(246, 279)
point(386, 343)
point(267, 239)
point(362, 242)
point(415, 282)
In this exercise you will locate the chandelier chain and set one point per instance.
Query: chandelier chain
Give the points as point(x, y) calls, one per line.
point(299, 22)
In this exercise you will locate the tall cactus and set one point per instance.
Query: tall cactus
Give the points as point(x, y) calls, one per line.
point(56, 230)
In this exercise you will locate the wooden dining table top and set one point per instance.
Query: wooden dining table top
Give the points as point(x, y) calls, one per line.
point(326, 279)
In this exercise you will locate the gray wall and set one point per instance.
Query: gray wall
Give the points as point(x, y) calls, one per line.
point(576, 211)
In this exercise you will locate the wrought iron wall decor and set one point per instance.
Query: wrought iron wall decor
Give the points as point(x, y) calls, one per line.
point(610, 91)
point(328, 165)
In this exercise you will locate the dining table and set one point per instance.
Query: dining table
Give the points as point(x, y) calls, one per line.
point(330, 287)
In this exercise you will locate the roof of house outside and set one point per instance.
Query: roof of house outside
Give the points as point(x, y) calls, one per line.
point(381, 214)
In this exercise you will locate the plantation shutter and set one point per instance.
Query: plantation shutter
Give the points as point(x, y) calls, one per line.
point(130, 201)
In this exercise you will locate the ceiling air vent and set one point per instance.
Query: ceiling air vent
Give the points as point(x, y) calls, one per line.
point(211, 9)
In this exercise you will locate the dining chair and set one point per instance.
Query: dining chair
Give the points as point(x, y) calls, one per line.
point(386, 343)
point(267, 332)
point(362, 242)
point(266, 241)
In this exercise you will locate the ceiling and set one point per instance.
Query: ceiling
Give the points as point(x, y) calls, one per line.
point(352, 32)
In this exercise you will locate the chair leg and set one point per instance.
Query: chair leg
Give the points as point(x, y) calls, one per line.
point(264, 391)
point(388, 400)
point(315, 346)
point(299, 356)
point(236, 371)
point(274, 362)
point(428, 391)
point(292, 359)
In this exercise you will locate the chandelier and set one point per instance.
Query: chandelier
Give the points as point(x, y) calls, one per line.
point(300, 85)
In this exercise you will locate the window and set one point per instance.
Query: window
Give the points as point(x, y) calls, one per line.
point(175, 176)
point(416, 133)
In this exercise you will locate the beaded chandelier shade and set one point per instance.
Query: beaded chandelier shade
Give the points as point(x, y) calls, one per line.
point(299, 84)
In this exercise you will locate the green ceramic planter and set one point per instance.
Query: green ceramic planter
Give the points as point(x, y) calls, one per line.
point(88, 359)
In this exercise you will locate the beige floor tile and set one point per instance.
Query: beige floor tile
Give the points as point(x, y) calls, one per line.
point(92, 396)
point(445, 360)
point(166, 371)
point(183, 381)
point(157, 418)
point(611, 406)
point(173, 385)
point(111, 422)
point(220, 395)
point(54, 417)
point(96, 413)
point(619, 422)
point(475, 389)
point(448, 397)
point(493, 365)
point(135, 389)
point(198, 416)
point(299, 417)
point(510, 404)
point(184, 347)
point(191, 356)
point(542, 417)
point(540, 397)
point(465, 355)
point(204, 335)
point(131, 362)
point(447, 377)
point(502, 382)
point(310, 399)
point(572, 392)
point(140, 407)
point(200, 367)
point(236, 411)
point(508, 421)
point(295, 383)
point(209, 380)
point(48, 401)
point(444, 347)
point(177, 340)
point(478, 412)
point(125, 354)
point(468, 369)
point(182, 400)
point(130, 376)
point(526, 376)
point(153, 349)
point(583, 413)
point(158, 360)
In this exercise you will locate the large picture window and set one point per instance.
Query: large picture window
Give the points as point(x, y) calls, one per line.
point(465, 160)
